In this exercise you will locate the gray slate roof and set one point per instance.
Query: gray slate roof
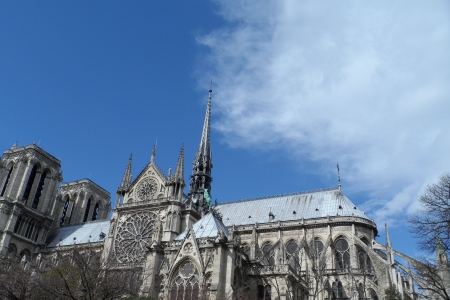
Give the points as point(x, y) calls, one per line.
point(208, 226)
point(307, 205)
point(84, 233)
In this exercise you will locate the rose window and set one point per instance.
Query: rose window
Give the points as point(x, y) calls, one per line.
point(134, 235)
point(146, 189)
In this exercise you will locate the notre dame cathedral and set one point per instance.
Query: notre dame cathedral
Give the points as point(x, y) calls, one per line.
point(308, 245)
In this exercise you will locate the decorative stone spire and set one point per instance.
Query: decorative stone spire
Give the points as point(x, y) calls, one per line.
point(126, 179)
point(202, 165)
point(179, 170)
point(175, 181)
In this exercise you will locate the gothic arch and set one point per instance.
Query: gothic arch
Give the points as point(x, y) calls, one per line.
point(66, 200)
point(341, 252)
point(185, 281)
point(268, 253)
point(42, 181)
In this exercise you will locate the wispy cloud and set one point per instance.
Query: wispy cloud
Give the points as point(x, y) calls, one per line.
point(363, 83)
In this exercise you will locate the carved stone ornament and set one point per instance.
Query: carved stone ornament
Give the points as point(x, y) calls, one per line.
point(134, 235)
point(146, 189)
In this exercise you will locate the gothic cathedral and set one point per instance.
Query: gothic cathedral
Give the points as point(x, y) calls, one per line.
point(308, 245)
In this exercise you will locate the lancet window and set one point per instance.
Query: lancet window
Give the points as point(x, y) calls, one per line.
point(338, 290)
point(64, 212)
point(37, 195)
point(264, 292)
point(95, 213)
point(29, 185)
point(185, 285)
point(268, 254)
point(342, 254)
point(364, 261)
point(86, 213)
point(292, 255)
point(5, 185)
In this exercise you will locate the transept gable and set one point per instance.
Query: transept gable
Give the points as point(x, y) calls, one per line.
point(149, 184)
point(188, 251)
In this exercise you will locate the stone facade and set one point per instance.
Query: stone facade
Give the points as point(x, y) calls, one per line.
point(313, 244)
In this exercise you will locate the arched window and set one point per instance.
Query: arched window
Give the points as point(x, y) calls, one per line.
point(5, 185)
point(95, 213)
point(185, 285)
point(338, 290)
point(86, 213)
point(64, 212)
point(264, 292)
point(360, 291)
point(364, 261)
point(37, 196)
point(268, 254)
point(72, 209)
point(292, 255)
point(342, 254)
point(318, 247)
point(29, 185)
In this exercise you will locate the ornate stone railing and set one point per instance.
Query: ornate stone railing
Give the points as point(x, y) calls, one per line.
point(269, 270)
point(148, 201)
point(305, 222)
point(128, 265)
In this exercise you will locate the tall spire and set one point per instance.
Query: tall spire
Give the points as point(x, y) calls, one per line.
point(202, 165)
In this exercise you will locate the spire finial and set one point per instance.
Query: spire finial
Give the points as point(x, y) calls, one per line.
point(210, 88)
point(154, 152)
point(339, 177)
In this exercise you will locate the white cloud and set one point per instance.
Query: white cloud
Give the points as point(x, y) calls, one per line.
point(363, 83)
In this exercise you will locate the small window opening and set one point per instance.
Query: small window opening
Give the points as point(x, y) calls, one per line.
point(86, 213)
point(6, 181)
point(95, 213)
point(37, 196)
point(29, 185)
point(64, 212)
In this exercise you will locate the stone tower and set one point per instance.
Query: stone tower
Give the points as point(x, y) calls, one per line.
point(29, 180)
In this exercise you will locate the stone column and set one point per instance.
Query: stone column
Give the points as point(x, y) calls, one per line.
point(49, 192)
point(6, 237)
point(219, 275)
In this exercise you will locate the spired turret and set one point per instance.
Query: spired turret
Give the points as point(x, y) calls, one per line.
point(200, 185)
point(126, 181)
point(175, 181)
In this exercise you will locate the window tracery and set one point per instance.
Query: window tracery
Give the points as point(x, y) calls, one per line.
point(185, 285)
point(342, 254)
point(268, 254)
point(146, 189)
point(292, 255)
point(134, 234)
point(364, 261)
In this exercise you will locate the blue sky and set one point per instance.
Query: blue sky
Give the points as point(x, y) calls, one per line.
point(298, 86)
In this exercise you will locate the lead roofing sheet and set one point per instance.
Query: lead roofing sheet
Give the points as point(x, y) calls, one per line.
point(208, 226)
point(79, 234)
point(307, 205)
